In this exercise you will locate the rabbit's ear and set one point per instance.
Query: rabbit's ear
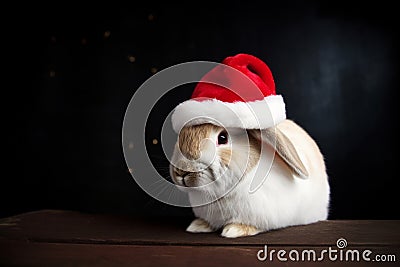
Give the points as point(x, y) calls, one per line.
point(285, 149)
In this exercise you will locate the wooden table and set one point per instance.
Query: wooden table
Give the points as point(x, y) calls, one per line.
point(67, 238)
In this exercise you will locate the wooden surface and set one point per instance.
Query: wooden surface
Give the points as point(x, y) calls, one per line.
point(66, 238)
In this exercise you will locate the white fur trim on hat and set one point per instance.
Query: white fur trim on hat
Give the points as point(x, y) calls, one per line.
point(259, 114)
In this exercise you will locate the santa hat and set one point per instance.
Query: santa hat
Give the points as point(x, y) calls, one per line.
point(239, 93)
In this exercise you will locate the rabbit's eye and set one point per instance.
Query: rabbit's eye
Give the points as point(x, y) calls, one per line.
point(222, 138)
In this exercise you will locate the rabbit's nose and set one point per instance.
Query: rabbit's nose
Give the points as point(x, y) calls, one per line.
point(181, 173)
point(186, 178)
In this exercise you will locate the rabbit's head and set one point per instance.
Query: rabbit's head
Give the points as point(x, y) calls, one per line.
point(210, 157)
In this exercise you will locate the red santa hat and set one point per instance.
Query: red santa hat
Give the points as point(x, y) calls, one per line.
point(239, 93)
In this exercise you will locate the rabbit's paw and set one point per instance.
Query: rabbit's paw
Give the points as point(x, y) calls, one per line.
point(199, 226)
point(234, 230)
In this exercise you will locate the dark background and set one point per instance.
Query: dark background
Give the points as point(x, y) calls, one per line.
point(73, 69)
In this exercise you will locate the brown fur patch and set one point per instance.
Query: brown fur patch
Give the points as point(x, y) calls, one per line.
point(255, 150)
point(190, 138)
point(225, 155)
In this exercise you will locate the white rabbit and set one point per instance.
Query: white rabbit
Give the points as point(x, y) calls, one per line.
point(212, 161)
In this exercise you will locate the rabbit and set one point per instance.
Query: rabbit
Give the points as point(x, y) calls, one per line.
point(209, 160)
